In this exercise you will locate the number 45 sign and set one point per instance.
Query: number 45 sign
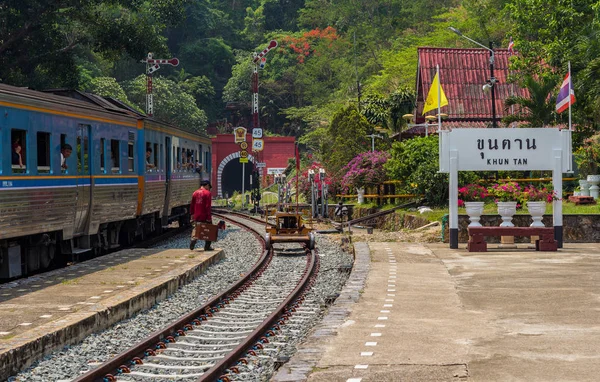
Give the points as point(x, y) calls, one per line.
point(258, 145)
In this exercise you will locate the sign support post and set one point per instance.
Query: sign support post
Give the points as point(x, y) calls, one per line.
point(453, 181)
point(557, 215)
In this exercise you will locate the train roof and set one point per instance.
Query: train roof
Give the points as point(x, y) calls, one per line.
point(110, 104)
point(53, 102)
point(77, 101)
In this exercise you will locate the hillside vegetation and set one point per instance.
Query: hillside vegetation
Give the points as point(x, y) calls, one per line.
point(330, 54)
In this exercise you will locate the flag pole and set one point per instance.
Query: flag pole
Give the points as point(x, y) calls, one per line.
point(570, 97)
point(439, 99)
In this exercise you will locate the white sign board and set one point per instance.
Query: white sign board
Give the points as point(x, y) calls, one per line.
point(505, 149)
point(258, 144)
point(261, 165)
point(257, 133)
point(275, 170)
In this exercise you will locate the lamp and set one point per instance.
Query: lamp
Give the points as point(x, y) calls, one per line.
point(490, 85)
point(428, 119)
point(373, 136)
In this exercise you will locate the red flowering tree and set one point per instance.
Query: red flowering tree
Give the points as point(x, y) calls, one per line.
point(305, 44)
point(365, 169)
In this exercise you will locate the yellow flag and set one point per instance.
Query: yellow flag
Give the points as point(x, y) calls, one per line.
point(431, 102)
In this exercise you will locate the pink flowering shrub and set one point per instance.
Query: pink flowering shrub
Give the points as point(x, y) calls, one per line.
point(473, 193)
point(505, 192)
point(533, 194)
point(365, 169)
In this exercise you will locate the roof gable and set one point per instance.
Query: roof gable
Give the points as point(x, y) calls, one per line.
point(463, 72)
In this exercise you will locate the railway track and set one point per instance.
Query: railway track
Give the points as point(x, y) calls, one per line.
point(219, 340)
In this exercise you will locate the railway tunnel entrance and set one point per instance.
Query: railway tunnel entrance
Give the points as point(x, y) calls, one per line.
point(231, 178)
point(226, 175)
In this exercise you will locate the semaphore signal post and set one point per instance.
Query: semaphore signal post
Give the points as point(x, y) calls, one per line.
point(152, 65)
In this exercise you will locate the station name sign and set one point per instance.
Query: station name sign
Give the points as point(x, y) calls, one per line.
point(506, 149)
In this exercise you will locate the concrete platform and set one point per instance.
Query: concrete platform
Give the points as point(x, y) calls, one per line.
point(430, 313)
point(42, 313)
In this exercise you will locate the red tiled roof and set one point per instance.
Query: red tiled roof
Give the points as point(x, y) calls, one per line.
point(463, 72)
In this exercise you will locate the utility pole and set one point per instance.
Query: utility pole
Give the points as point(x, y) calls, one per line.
point(259, 61)
point(356, 69)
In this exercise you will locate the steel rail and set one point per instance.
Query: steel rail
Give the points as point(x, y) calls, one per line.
point(168, 334)
point(215, 373)
point(239, 214)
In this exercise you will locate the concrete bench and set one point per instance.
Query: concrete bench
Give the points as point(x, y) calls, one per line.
point(478, 244)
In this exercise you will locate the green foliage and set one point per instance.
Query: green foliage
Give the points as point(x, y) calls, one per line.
point(107, 87)
point(388, 112)
point(587, 156)
point(415, 163)
point(41, 40)
point(347, 134)
point(538, 110)
point(171, 103)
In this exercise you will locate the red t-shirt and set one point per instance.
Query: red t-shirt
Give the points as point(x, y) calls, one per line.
point(201, 204)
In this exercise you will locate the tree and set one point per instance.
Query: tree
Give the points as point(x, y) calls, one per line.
point(388, 112)
point(107, 87)
point(171, 103)
point(415, 163)
point(348, 136)
point(39, 39)
point(538, 110)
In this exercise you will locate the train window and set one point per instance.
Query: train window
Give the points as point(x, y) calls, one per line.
point(115, 155)
point(178, 150)
point(150, 157)
point(161, 157)
point(43, 152)
point(207, 164)
point(102, 151)
point(130, 156)
point(83, 155)
point(155, 154)
point(18, 139)
point(184, 159)
point(63, 160)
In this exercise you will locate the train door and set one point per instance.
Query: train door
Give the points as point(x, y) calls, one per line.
point(84, 188)
point(168, 169)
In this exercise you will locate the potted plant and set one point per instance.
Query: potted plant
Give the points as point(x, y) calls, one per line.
point(506, 196)
point(587, 158)
point(536, 199)
point(473, 196)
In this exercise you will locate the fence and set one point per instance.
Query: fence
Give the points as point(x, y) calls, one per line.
point(385, 193)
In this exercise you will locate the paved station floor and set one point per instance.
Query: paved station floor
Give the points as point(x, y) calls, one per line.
point(424, 312)
point(50, 310)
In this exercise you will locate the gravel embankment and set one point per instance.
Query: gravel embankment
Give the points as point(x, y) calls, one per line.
point(71, 361)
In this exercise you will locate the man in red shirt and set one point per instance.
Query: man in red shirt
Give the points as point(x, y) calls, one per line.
point(200, 210)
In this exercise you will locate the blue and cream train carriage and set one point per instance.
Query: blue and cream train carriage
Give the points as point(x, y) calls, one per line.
point(127, 176)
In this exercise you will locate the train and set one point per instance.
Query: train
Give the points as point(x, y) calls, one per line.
point(82, 174)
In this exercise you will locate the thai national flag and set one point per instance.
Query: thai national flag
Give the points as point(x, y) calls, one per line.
point(511, 47)
point(563, 100)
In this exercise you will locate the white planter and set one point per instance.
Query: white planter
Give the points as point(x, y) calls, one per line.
point(536, 210)
point(584, 189)
point(506, 210)
point(474, 210)
point(361, 195)
point(593, 180)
